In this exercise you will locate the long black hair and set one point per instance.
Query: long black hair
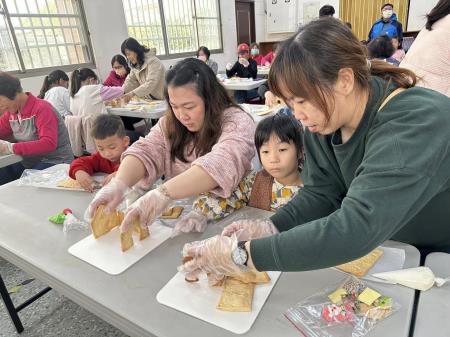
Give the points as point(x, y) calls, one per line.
point(196, 73)
point(285, 127)
point(439, 11)
point(122, 61)
point(79, 76)
point(133, 45)
point(53, 78)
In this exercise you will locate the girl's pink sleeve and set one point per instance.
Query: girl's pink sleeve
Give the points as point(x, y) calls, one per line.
point(231, 157)
point(109, 93)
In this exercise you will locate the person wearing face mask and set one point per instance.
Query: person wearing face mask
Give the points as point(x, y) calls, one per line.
point(254, 53)
point(204, 54)
point(387, 24)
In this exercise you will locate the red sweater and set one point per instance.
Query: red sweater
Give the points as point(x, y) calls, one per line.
point(113, 81)
point(38, 117)
point(91, 164)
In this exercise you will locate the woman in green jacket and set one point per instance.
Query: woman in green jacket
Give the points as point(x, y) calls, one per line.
point(377, 162)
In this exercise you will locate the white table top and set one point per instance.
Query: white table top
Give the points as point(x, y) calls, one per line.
point(434, 305)
point(9, 159)
point(128, 301)
point(244, 84)
point(253, 109)
point(140, 111)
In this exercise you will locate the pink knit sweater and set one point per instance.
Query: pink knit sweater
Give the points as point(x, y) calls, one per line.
point(229, 159)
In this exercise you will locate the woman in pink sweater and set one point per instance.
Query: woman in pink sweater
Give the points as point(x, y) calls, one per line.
point(204, 143)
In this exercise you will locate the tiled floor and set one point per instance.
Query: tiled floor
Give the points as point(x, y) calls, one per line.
point(50, 316)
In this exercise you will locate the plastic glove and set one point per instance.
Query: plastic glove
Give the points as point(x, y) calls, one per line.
point(5, 147)
point(146, 209)
point(271, 99)
point(244, 62)
point(212, 256)
point(110, 195)
point(229, 66)
point(194, 221)
point(251, 229)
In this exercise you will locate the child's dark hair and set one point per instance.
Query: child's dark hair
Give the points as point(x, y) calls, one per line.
point(140, 50)
point(105, 126)
point(122, 61)
point(381, 47)
point(53, 78)
point(9, 85)
point(285, 127)
point(78, 76)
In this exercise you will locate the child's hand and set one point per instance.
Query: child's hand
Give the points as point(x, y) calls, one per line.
point(5, 147)
point(108, 178)
point(85, 180)
point(244, 62)
point(271, 100)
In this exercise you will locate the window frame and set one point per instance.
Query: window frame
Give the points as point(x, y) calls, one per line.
point(171, 56)
point(23, 72)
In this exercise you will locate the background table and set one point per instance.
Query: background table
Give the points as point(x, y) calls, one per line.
point(263, 70)
point(243, 85)
point(9, 159)
point(128, 301)
point(433, 310)
point(146, 111)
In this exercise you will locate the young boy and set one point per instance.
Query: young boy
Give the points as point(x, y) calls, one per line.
point(244, 67)
point(111, 141)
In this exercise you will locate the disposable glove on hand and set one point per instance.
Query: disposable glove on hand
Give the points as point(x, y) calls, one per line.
point(194, 221)
point(147, 208)
point(250, 229)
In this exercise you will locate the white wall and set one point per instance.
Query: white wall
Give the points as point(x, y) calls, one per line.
point(107, 28)
point(260, 18)
point(417, 11)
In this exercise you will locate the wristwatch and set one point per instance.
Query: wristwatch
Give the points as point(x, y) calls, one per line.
point(239, 255)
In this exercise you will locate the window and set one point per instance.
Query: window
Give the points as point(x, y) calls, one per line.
point(37, 34)
point(174, 26)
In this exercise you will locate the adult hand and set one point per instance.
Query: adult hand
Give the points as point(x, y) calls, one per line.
point(5, 147)
point(110, 195)
point(212, 256)
point(229, 66)
point(250, 229)
point(147, 208)
point(244, 62)
point(127, 97)
point(194, 221)
point(85, 180)
point(271, 99)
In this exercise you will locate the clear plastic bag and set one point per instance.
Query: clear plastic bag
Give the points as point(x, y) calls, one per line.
point(340, 311)
point(73, 223)
point(42, 178)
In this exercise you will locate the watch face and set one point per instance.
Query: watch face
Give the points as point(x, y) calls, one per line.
point(239, 256)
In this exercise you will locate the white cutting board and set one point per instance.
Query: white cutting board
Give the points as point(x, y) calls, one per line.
point(198, 299)
point(105, 253)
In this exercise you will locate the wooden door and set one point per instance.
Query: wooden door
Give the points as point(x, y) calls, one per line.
point(245, 22)
point(362, 14)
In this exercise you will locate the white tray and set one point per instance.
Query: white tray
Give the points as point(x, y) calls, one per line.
point(198, 299)
point(105, 253)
